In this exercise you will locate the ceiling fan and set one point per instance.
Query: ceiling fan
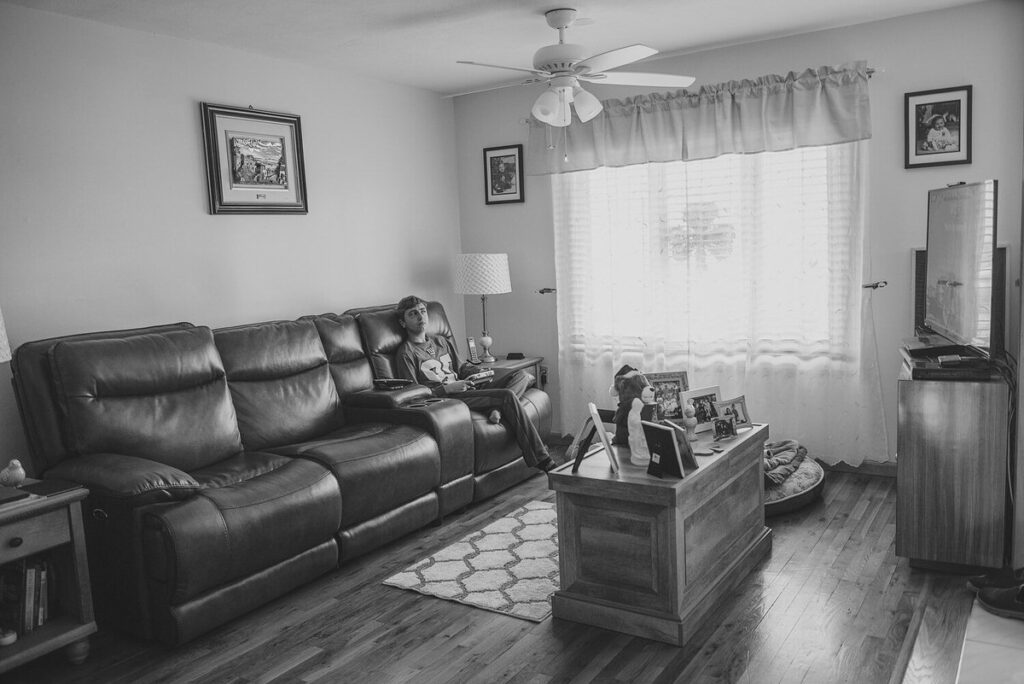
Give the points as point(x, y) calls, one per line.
point(564, 65)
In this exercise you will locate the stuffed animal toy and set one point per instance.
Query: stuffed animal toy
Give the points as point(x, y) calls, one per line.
point(629, 384)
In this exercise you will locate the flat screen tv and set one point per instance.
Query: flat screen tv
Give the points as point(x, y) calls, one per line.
point(965, 282)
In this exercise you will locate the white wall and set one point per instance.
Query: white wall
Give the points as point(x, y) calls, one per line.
point(979, 44)
point(103, 207)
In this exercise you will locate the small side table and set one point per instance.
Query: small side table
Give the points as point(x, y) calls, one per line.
point(531, 364)
point(51, 526)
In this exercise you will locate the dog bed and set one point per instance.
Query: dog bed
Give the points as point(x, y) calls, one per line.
point(793, 479)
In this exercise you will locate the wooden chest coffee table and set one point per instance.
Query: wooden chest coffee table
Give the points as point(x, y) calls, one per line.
point(652, 557)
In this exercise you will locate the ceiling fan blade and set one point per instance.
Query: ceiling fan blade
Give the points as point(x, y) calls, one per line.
point(498, 66)
point(528, 81)
point(614, 58)
point(637, 78)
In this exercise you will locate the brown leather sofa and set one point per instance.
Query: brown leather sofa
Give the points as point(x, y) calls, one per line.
point(227, 467)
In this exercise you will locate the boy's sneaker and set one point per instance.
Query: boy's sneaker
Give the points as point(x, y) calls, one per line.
point(1006, 602)
point(997, 579)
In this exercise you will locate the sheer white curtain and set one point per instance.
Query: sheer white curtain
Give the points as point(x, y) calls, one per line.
point(743, 270)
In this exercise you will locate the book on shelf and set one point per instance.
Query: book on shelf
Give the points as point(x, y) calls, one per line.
point(27, 594)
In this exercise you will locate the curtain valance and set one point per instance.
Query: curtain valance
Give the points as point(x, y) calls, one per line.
point(819, 106)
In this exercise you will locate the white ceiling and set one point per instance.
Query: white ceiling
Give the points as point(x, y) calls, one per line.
point(416, 42)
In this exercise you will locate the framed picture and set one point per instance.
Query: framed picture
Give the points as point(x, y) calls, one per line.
point(254, 161)
point(938, 127)
point(602, 435)
point(736, 409)
point(503, 174)
point(703, 400)
point(723, 427)
point(668, 388)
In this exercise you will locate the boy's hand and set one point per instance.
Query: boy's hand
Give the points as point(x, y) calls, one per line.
point(457, 386)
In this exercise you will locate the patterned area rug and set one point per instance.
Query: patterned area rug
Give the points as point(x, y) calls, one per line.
point(510, 566)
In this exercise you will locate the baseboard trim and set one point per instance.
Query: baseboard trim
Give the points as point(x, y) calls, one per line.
point(886, 469)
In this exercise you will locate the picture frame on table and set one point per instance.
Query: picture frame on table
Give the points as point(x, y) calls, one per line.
point(737, 408)
point(503, 175)
point(703, 400)
point(602, 436)
point(254, 161)
point(668, 391)
point(723, 427)
point(937, 127)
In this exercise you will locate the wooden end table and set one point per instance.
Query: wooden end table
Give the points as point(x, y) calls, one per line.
point(653, 557)
point(51, 526)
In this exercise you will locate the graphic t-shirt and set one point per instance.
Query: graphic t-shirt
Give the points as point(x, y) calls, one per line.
point(432, 364)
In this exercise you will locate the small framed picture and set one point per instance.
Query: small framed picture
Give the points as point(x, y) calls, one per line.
point(736, 409)
point(723, 427)
point(503, 174)
point(703, 400)
point(254, 161)
point(938, 127)
point(602, 436)
point(668, 388)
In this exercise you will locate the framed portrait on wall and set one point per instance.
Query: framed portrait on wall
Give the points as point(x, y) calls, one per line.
point(938, 127)
point(254, 161)
point(503, 174)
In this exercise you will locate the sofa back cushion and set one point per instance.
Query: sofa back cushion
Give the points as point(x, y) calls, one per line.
point(349, 366)
point(37, 400)
point(382, 334)
point(280, 382)
point(161, 396)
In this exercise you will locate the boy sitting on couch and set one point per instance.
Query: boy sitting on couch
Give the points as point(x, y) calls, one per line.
point(432, 361)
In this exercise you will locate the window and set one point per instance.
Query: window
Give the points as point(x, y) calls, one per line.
point(756, 255)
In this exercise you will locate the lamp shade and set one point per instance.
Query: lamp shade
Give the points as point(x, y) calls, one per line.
point(548, 107)
point(482, 274)
point(587, 106)
point(5, 345)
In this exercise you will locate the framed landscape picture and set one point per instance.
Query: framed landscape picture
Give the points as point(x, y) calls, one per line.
point(938, 127)
point(668, 388)
point(503, 174)
point(254, 161)
point(704, 400)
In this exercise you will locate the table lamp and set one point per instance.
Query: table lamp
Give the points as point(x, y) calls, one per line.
point(5, 345)
point(482, 274)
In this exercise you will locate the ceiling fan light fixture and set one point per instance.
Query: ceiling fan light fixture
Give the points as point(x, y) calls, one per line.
point(587, 106)
point(547, 107)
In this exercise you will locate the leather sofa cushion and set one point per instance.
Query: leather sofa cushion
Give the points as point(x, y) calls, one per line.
point(161, 396)
point(280, 382)
point(349, 366)
point(382, 334)
point(40, 410)
point(379, 466)
point(256, 510)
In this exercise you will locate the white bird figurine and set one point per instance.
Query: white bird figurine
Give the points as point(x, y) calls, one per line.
point(13, 475)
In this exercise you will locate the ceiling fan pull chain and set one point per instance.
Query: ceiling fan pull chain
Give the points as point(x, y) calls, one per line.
point(565, 144)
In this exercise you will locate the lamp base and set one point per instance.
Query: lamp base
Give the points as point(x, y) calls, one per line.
point(485, 343)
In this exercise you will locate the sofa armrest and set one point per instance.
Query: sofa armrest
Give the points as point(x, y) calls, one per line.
point(386, 398)
point(127, 478)
point(447, 420)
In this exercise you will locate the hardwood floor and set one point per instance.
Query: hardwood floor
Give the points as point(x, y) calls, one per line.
point(832, 603)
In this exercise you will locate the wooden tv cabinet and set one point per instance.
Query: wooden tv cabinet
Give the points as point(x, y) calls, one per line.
point(652, 557)
point(951, 472)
